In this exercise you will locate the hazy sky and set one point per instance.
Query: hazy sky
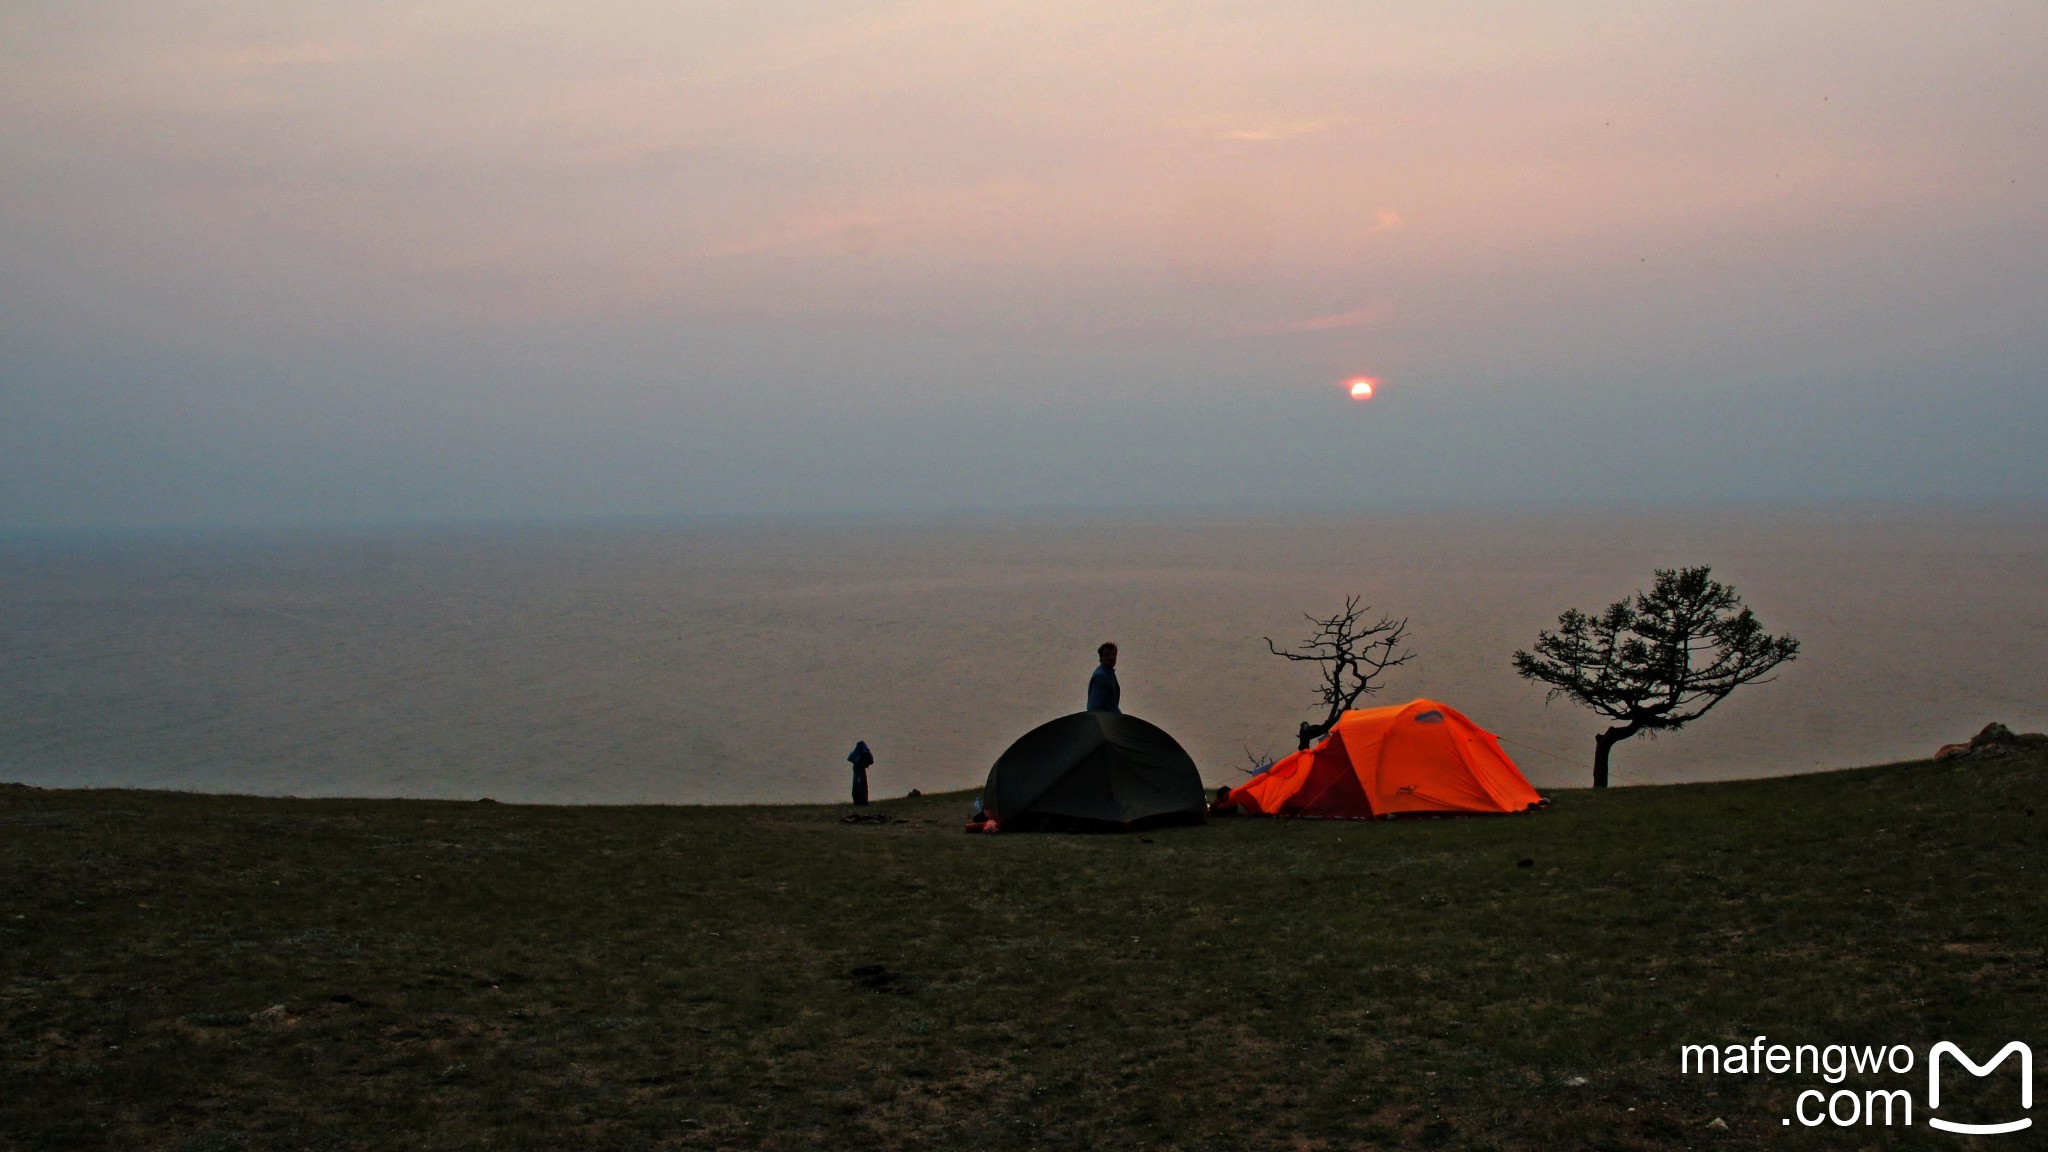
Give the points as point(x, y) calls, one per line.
point(362, 261)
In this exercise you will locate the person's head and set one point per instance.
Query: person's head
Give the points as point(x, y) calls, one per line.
point(1108, 655)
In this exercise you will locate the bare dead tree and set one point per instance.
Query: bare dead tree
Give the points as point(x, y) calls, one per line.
point(1352, 654)
point(1258, 761)
point(1658, 660)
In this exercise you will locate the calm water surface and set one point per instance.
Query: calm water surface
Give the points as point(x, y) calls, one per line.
point(738, 664)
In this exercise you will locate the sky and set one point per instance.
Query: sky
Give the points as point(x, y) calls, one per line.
point(305, 263)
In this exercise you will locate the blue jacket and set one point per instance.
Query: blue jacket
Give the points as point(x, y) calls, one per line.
point(1103, 692)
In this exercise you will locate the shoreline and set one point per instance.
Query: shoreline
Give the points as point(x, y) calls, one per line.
point(964, 795)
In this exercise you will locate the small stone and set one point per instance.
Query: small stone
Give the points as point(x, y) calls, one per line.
point(1717, 1125)
point(1575, 1081)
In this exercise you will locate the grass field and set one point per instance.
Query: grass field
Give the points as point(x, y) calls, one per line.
point(204, 972)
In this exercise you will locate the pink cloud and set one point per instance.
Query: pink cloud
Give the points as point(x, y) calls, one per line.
point(1373, 313)
point(1287, 130)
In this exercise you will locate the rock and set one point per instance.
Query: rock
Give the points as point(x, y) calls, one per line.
point(875, 976)
point(1993, 733)
point(1575, 1081)
point(1994, 742)
point(1717, 1125)
point(914, 794)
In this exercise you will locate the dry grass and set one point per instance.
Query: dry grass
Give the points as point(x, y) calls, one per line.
point(193, 972)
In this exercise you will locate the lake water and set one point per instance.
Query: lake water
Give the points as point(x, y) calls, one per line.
point(739, 663)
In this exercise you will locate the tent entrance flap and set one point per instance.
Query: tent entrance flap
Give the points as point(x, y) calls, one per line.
point(1086, 793)
point(1333, 789)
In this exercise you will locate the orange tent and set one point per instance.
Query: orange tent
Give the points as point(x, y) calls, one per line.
point(1418, 757)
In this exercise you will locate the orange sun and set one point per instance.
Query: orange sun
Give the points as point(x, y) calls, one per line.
point(1361, 387)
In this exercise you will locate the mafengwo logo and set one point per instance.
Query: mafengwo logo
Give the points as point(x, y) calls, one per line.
point(1945, 1048)
point(1879, 1107)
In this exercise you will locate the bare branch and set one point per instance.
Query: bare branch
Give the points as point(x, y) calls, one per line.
point(1353, 655)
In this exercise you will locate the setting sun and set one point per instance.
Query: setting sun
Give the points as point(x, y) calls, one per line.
point(1361, 387)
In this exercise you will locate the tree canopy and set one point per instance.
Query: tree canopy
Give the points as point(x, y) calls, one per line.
point(1657, 660)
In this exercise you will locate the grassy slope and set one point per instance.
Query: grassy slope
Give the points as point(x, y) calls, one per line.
point(676, 977)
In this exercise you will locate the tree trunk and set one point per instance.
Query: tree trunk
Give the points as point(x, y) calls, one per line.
point(1604, 742)
point(1310, 733)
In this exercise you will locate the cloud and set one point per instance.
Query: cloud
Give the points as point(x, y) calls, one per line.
point(1285, 130)
point(1373, 313)
point(278, 55)
point(854, 234)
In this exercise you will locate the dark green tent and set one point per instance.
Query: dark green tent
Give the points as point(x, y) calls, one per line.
point(1094, 770)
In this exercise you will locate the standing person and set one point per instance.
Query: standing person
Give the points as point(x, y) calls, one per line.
point(1103, 692)
point(860, 758)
